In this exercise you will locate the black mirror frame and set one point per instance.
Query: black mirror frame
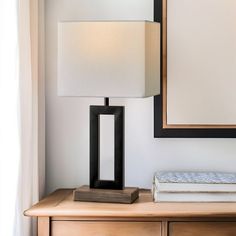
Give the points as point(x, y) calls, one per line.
point(159, 130)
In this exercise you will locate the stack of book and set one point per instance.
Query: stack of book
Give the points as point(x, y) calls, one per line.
point(194, 187)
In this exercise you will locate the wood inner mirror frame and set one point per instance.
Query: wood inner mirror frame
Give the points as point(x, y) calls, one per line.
point(161, 126)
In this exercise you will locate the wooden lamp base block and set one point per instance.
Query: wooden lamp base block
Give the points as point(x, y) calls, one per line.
point(86, 194)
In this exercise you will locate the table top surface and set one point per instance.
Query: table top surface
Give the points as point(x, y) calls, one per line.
point(60, 204)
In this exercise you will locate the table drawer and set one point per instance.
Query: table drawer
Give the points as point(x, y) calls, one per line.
point(78, 228)
point(202, 228)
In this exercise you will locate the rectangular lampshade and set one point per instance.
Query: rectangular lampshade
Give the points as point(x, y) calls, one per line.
point(109, 59)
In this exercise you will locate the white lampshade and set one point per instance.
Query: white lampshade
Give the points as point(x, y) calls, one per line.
point(109, 59)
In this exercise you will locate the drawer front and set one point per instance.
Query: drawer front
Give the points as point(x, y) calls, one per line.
point(202, 228)
point(78, 228)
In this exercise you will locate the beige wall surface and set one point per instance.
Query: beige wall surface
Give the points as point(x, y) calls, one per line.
point(67, 119)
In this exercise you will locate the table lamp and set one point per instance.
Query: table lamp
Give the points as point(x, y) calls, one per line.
point(118, 59)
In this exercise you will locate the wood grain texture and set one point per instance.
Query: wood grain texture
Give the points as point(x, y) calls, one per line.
point(86, 194)
point(203, 228)
point(74, 228)
point(43, 226)
point(61, 204)
point(164, 61)
point(164, 228)
point(50, 202)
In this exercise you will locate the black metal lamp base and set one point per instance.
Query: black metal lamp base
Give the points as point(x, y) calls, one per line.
point(95, 112)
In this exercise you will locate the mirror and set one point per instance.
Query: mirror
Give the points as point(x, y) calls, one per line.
point(198, 68)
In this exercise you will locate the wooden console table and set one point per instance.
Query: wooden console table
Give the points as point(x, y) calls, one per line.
point(58, 215)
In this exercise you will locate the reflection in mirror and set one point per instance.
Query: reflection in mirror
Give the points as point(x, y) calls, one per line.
point(107, 147)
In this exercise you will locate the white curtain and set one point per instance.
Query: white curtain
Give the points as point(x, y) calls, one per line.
point(9, 127)
point(21, 169)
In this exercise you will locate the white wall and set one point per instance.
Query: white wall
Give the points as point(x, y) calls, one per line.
point(67, 119)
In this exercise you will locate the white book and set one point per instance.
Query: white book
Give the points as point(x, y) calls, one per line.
point(194, 197)
point(194, 182)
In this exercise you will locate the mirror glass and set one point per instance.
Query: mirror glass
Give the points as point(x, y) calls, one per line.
point(201, 62)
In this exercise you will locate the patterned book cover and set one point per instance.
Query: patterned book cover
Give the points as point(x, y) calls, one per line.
point(195, 177)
